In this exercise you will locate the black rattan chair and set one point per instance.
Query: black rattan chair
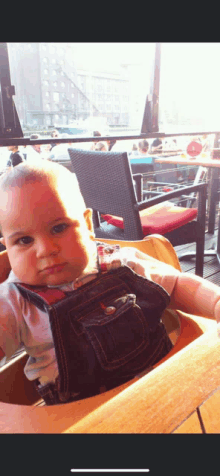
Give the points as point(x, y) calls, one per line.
point(107, 186)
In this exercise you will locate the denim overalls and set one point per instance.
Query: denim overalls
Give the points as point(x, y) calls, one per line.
point(105, 333)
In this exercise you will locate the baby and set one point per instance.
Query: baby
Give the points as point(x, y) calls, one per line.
point(89, 316)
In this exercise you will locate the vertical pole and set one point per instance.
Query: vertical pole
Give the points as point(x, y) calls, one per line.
point(9, 122)
point(213, 188)
point(150, 118)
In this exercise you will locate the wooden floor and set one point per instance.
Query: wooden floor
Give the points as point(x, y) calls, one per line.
point(211, 264)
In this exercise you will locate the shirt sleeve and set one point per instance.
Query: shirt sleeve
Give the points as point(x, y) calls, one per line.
point(161, 273)
point(9, 320)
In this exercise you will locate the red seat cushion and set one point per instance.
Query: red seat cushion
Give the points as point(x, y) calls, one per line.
point(160, 218)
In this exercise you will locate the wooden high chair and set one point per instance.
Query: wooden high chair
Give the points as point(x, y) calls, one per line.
point(174, 388)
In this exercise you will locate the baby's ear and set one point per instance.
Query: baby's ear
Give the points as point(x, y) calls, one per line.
point(2, 241)
point(88, 218)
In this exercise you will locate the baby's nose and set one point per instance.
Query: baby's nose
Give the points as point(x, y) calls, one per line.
point(46, 247)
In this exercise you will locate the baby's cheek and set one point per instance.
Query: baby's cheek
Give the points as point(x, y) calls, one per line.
point(23, 267)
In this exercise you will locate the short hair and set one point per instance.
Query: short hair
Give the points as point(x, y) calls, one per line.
point(25, 173)
point(101, 145)
point(97, 134)
point(143, 145)
point(55, 131)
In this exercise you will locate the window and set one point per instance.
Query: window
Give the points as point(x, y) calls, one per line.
point(108, 88)
point(189, 99)
point(48, 107)
point(124, 70)
point(48, 121)
point(56, 96)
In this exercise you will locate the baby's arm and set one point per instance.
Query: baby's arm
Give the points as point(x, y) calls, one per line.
point(194, 295)
point(188, 292)
point(9, 318)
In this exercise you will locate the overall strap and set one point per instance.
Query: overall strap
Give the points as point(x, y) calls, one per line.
point(42, 296)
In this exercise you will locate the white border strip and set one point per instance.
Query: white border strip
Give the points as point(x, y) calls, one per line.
point(109, 470)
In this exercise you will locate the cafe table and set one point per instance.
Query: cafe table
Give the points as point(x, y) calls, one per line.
point(203, 160)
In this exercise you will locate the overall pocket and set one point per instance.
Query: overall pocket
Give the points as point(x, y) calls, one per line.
point(116, 329)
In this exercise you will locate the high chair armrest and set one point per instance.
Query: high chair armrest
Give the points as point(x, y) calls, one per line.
point(160, 401)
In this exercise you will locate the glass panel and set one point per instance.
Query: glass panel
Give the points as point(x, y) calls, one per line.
point(189, 96)
point(105, 86)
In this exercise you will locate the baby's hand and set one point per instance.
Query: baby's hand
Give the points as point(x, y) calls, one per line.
point(137, 267)
point(114, 264)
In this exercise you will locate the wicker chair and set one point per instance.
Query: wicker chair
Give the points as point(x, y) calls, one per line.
point(107, 186)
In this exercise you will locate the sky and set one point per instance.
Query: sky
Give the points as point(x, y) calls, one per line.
point(111, 55)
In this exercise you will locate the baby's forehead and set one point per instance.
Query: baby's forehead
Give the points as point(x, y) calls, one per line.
point(47, 189)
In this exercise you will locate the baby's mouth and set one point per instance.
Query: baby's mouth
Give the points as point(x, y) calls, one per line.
point(53, 269)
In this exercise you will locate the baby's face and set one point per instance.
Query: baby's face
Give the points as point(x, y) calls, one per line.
point(49, 242)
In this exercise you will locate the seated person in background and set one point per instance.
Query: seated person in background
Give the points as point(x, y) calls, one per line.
point(46, 150)
point(88, 314)
point(205, 140)
point(95, 134)
point(60, 151)
point(143, 146)
point(34, 152)
point(16, 157)
point(101, 146)
point(156, 146)
point(111, 143)
point(134, 150)
point(54, 134)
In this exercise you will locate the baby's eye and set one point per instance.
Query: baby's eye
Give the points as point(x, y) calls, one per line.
point(24, 240)
point(59, 228)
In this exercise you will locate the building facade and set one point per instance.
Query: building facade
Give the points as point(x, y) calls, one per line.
point(50, 91)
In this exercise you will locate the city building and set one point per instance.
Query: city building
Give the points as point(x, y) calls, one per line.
point(50, 91)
